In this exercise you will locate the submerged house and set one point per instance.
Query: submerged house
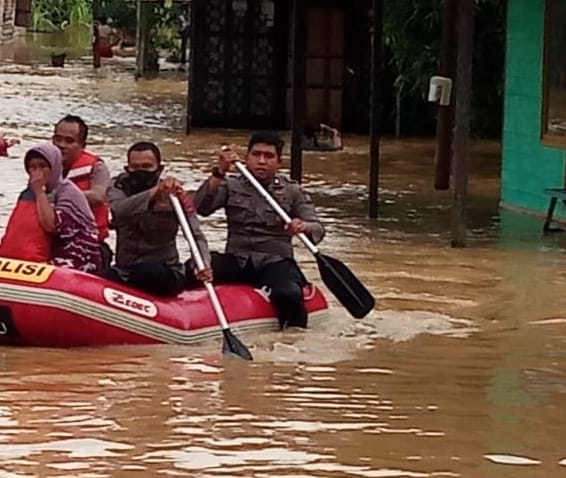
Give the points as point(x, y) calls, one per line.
point(534, 133)
point(241, 57)
point(13, 13)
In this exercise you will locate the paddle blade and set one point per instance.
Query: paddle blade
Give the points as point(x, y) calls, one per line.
point(232, 345)
point(345, 286)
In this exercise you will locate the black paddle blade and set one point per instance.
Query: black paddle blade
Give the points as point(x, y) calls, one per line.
point(232, 345)
point(345, 286)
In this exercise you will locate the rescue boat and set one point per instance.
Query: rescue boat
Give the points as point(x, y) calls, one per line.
point(47, 306)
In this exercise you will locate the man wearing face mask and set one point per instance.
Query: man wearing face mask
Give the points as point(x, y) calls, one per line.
point(146, 226)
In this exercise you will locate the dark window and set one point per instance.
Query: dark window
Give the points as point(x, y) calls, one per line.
point(554, 112)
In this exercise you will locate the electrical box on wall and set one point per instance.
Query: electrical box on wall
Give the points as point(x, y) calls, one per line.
point(440, 90)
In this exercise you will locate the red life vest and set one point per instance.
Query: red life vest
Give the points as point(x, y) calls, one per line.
point(81, 174)
point(3, 147)
point(24, 238)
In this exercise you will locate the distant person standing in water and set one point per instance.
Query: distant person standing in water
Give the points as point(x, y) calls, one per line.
point(6, 143)
point(321, 138)
point(184, 31)
point(106, 38)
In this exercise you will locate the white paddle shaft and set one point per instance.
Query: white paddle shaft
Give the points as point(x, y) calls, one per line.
point(186, 228)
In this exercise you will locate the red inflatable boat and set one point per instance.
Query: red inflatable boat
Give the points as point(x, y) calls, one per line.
point(47, 306)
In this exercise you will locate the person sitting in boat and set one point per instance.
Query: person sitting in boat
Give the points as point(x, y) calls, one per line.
point(88, 172)
point(321, 138)
point(52, 221)
point(259, 249)
point(146, 226)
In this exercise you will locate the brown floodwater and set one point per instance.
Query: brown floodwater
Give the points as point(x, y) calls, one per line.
point(459, 372)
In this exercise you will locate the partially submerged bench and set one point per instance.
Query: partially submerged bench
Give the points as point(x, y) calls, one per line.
point(555, 194)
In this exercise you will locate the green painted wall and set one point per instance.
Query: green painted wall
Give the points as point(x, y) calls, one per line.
point(528, 166)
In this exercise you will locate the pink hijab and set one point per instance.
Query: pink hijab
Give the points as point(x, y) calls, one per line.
point(68, 196)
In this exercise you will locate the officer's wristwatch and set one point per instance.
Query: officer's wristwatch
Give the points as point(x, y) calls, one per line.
point(218, 173)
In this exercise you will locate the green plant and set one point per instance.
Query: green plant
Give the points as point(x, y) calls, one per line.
point(51, 15)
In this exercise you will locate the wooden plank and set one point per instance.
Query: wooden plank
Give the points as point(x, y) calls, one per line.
point(465, 28)
point(375, 106)
point(299, 68)
point(95, 34)
point(445, 118)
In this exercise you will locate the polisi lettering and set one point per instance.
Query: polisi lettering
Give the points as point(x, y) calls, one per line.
point(24, 268)
point(34, 272)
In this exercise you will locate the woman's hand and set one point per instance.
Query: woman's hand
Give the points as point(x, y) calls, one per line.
point(37, 181)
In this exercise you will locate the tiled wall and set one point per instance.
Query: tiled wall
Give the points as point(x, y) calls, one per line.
point(528, 165)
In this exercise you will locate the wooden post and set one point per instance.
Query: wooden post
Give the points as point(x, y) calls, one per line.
point(191, 69)
point(375, 105)
point(465, 28)
point(299, 88)
point(95, 34)
point(445, 116)
point(141, 36)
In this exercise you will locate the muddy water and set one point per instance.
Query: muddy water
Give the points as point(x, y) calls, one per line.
point(459, 371)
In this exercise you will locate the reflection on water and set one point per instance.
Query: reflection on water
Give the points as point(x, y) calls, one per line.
point(458, 373)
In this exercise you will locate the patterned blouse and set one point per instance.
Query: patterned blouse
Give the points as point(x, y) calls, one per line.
point(75, 244)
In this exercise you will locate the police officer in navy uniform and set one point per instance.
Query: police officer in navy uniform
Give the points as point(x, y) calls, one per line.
point(259, 250)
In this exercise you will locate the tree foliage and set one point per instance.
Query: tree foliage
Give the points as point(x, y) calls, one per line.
point(51, 15)
point(412, 34)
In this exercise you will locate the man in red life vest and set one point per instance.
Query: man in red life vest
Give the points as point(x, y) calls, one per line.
point(87, 171)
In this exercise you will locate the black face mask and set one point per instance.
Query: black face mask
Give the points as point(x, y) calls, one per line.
point(138, 181)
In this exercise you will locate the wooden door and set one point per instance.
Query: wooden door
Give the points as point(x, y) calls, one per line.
point(23, 13)
point(324, 66)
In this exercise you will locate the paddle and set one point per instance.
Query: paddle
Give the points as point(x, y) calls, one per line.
point(231, 343)
point(341, 281)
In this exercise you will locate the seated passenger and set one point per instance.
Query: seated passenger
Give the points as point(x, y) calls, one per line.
point(146, 226)
point(88, 171)
point(52, 221)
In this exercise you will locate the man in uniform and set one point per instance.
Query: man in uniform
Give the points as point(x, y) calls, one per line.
point(259, 249)
point(87, 171)
point(146, 226)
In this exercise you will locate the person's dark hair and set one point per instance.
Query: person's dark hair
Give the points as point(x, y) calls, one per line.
point(103, 20)
point(83, 128)
point(270, 138)
point(146, 146)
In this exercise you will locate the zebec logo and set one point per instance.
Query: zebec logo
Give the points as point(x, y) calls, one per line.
point(129, 302)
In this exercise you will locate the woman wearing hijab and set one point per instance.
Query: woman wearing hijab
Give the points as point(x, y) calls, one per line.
point(52, 221)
